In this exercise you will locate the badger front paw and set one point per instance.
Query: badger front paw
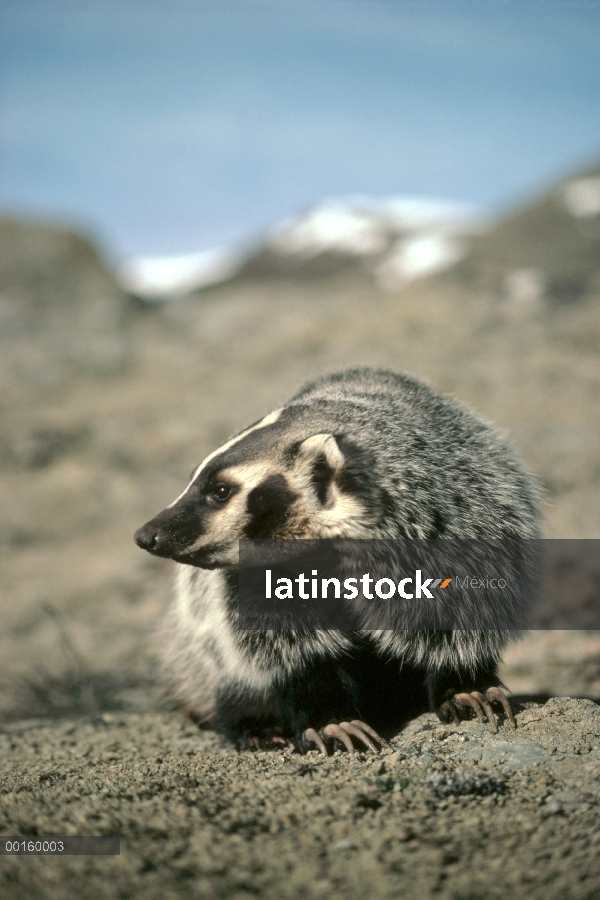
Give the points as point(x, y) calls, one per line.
point(463, 705)
point(335, 736)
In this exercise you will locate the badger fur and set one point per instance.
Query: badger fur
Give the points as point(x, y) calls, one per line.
point(359, 454)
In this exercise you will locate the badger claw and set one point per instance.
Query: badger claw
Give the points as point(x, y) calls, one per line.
point(337, 732)
point(498, 695)
point(342, 732)
point(310, 736)
point(363, 727)
point(459, 706)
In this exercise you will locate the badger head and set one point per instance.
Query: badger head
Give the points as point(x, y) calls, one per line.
point(282, 478)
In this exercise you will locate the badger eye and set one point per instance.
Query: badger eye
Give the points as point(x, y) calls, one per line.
point(221, 492)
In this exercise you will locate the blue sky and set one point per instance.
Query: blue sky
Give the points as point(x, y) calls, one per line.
point(169, 127)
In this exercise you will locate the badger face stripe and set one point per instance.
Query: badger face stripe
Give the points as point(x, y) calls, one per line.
point(264, 423)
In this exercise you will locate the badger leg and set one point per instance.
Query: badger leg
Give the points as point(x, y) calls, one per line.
point(342, 732)
point(461, 705)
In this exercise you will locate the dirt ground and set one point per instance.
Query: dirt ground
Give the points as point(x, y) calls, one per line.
point(448, 811)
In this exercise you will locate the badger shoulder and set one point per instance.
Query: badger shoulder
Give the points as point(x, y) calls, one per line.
point(447, 471)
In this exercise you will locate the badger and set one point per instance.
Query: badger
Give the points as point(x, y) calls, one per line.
point(361, 454)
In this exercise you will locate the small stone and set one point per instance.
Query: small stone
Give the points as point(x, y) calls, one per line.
point(344, 844)
point(553, 806)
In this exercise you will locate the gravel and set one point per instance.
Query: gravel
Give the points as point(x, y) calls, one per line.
point(447, 812)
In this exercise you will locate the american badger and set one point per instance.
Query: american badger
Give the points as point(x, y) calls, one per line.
point(359, 454)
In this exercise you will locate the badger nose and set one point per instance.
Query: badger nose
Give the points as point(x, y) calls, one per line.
point(147, 538)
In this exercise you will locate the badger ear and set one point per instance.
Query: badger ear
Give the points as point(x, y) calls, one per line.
point(322, 447)
point(321, 455)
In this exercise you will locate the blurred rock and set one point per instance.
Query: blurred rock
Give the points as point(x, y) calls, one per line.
point(61, 311)
point(550, 247)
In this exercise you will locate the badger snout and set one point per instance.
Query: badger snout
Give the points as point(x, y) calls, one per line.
point(171, 532)
point(151, 538)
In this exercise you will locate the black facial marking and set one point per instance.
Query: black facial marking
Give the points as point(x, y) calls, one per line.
point(356, 476)
point(321, 478)
point(268, 505)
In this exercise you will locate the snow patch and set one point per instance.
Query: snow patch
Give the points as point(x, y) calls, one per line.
point(418, 256)
point(333, 227)
point(157, 277)
point(582, 197)
point(365, 226)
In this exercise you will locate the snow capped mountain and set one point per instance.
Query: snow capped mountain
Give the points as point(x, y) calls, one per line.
point(363, 225)
point(399, 238)
point(395, 240)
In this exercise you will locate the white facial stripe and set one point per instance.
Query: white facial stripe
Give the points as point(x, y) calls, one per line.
point(248, 475)
point(264, 423)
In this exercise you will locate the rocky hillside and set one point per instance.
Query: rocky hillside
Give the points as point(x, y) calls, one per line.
point(61, 310)
point(549, 248)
